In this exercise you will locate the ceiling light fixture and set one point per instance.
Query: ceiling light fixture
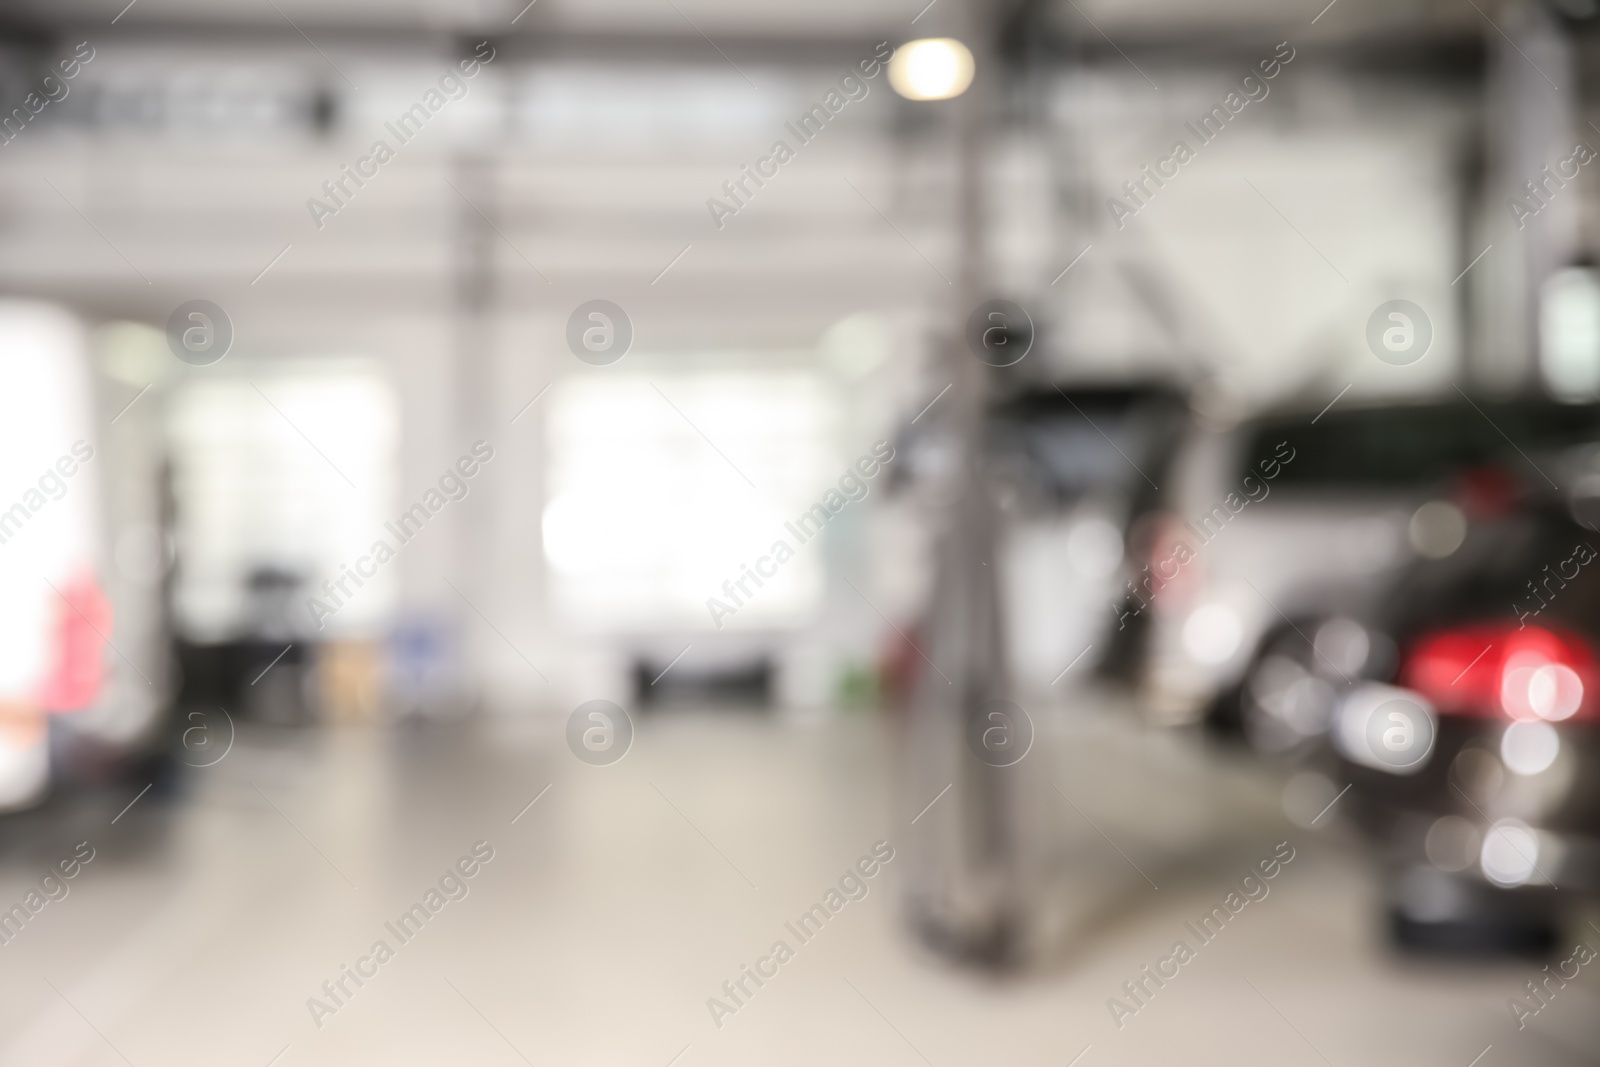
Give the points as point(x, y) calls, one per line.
point(933, 68)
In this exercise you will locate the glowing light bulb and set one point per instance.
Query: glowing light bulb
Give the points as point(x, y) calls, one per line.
point(934, 68)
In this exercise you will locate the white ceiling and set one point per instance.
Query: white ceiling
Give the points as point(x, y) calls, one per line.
point(779, 18)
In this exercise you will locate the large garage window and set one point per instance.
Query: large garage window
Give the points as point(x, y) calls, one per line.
point(283, 473)
point(661, 487)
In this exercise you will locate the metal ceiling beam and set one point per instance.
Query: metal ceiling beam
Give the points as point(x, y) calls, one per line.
point(687, 46)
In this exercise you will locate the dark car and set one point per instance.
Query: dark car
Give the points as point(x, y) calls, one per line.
point(1462, 711)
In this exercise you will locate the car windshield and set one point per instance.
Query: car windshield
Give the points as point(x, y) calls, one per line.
point(1533, 566)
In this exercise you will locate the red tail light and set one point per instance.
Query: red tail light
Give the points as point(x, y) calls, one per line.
point(82, 626)
point(1497, 669)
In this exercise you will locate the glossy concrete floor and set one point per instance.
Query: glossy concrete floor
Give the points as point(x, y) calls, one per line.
point(217, 906)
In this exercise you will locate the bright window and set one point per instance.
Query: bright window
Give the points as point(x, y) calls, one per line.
point(287, 468)
point(649, 509)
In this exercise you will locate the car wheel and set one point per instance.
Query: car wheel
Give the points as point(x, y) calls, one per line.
point(1431, 911)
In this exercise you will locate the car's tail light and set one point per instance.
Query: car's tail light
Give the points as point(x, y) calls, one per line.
point(82, 627)
point(1498, 669)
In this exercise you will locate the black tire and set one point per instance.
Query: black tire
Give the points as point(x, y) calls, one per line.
point(1525, 936)
point(1432, 912)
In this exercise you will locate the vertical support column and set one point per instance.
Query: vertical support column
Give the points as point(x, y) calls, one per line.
point(472, 360)
point(1531, 118)
point(965, 893)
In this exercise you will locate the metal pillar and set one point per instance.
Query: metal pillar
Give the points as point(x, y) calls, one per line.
point(1533, 103)
point(965, 896)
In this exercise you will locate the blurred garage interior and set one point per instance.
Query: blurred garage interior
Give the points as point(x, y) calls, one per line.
point(611, 492)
